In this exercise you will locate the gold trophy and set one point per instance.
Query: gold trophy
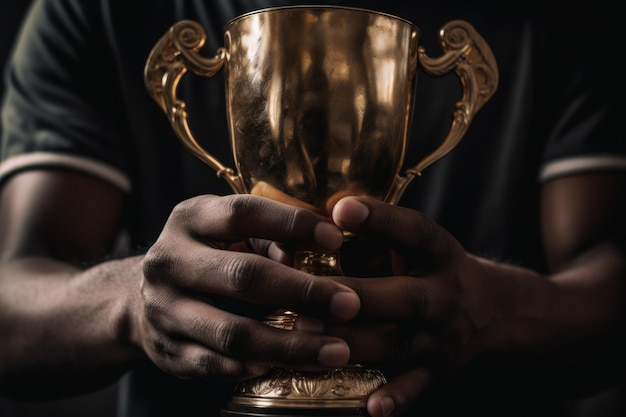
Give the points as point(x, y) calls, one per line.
point(319, 103)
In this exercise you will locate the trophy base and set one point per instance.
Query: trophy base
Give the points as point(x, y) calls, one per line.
point(341, 392)
point(238, 410)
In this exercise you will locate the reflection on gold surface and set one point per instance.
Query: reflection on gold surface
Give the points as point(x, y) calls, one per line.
point(320, 98)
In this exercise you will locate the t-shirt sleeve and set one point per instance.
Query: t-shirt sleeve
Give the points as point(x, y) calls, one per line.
point(582, 114)
point(63, 106)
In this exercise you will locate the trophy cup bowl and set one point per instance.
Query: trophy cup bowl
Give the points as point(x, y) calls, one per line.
point(319, 102)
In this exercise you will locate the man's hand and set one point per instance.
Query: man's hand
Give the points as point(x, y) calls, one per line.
point(425, 315)
point(188, 323)
point(440, 311)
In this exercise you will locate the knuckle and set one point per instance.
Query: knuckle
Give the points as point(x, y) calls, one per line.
point(297, 218)
point(166, 348)
point(240, 205)
point(241, 272)
point(157, 304)
point(312, 288)
point(238, 210)
point(153, 306)
point(293, 349)
point(231, 337)
point(183, 211)
point(158, 261)
point(207, 368)
point(181, 208)
point(210, 366)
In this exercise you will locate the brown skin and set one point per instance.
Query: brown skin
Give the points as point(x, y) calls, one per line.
point(62, 321)
point(571, 320)
point(65, 327)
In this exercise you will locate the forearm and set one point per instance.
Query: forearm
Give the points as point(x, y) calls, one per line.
point(569, 326)
point(60, 324)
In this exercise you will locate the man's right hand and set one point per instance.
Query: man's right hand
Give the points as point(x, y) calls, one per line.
point(190, 273)
point(73, 321)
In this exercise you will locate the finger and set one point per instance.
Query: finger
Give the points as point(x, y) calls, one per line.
point(399, 394)
point(397, 227)
point(249, 277)
point(247, 339)
point(237, 217)
point(186, 359)
point(387, 343)
point(422, 301)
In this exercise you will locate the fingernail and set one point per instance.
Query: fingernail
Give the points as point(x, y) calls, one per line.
point(387, 405)
point(334, 355)
point(350, 212)
point(345, 305)
point(328, 236)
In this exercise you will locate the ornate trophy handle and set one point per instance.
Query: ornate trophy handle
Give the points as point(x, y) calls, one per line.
point(175, 53)
point(469, 56)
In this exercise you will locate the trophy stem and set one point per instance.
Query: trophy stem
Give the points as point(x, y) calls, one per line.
point(340, 392)
point(318, 263)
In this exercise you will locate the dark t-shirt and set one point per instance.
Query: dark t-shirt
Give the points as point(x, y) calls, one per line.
point(76, 99)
